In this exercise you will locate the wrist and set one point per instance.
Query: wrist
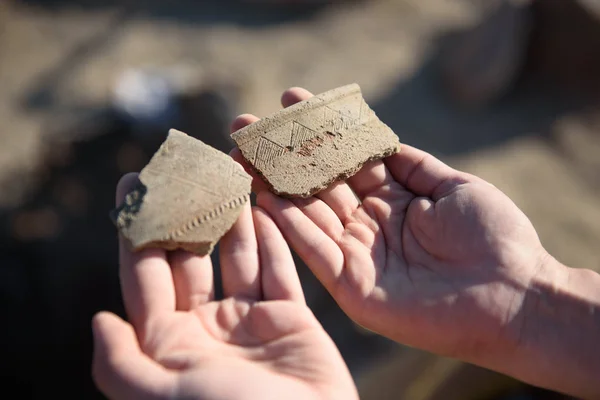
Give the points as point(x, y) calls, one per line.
point(559, 323)
point(542, 305)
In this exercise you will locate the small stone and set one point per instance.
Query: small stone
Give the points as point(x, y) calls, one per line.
point(188, 196)
point(304, 148)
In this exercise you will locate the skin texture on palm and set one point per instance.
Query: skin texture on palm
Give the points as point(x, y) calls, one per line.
point(441, 260)
point(409, 247)
point(260, 341)
point(413, 253)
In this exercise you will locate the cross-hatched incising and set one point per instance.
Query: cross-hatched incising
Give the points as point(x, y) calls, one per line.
point(301, 134)
point(266, 152)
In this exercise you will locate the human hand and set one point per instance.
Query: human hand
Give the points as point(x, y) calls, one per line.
point(427, 255)
point(261, 341)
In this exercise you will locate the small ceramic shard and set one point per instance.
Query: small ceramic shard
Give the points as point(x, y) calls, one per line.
point(188, 196)
point(302, 149)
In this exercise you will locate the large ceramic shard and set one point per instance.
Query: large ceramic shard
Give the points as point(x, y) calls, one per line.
point(188, 196)
point(302, 149)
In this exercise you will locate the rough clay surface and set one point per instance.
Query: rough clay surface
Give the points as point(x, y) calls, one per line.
point(302, 149)
point(189, 195)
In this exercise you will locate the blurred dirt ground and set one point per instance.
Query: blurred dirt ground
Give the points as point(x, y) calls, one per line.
point(63, 149)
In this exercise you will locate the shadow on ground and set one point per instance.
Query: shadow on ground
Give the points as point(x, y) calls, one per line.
point(424, 116)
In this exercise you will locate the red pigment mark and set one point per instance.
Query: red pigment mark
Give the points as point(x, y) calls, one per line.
point(309, 146)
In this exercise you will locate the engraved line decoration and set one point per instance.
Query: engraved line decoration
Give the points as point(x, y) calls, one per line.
point(195, 222)
point(182, 180)
point(228, 173)
point(301, 134)
point(267, 151)
point(338, 120)
point(317, 103)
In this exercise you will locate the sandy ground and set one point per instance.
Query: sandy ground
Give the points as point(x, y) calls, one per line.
point(59, 61)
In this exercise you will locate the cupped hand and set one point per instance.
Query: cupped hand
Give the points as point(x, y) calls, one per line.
point(417, 251)
point(261, 341)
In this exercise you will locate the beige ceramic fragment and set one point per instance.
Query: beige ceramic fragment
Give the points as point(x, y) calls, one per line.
point(189, 195)
point(302, 149)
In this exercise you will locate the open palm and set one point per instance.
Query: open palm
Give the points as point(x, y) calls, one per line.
point(261, 341)
point(415, 250)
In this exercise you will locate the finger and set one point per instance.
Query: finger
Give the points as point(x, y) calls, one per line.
point(322, 215)
point(423, 229)
point(422, 173)
point(369, 178)
point(341, 199)
point(319, 251)
point(279, 276)
point(146, 279)
point(239, 259)
point(294, 95)
point(124, 186)
point(119, 368)
point(258, 184)
point(242, 121)
point(193, 279)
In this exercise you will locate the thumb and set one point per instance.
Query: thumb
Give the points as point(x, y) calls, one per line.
point(423, 223)
point(120, 369)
